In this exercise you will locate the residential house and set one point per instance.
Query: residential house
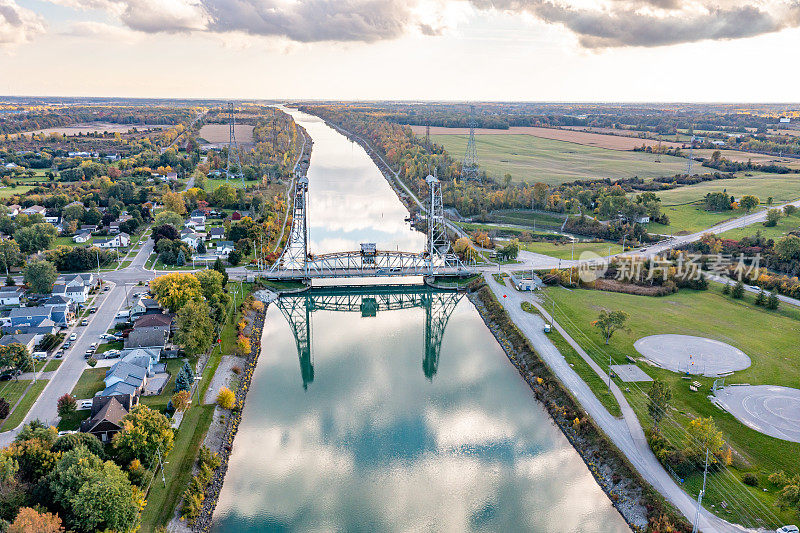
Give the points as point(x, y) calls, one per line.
point(29, 316)
point(196, 224)
point(193, 240)
point(145, 306)
point(45, 327)
point(216, 233)
point(118, 241)
point(127, 373)
point(82, 237)
point(146, 358)
point(152, 337)
point(171, 176)
point(89, 227)
point(224, 248)
point(107, 421)
point(13, 210)
point(11, 295)
point(28, 340)
point(165, 321)
point(76, 293)
point(35, 210)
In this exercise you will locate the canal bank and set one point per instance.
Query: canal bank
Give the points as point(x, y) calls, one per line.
point(635, 499)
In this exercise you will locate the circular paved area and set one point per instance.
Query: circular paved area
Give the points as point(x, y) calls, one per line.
point(769, 409)
point(695, 355)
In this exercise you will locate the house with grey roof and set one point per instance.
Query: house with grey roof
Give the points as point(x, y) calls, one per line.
point(11, 295)
point(28, 340)
point(29, 316)
point(128, 373)
point(151, 337)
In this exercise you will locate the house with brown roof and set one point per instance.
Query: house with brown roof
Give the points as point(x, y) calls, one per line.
point(106, 420)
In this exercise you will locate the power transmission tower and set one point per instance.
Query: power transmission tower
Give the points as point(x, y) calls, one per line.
point(469, 168)
point(233, 147)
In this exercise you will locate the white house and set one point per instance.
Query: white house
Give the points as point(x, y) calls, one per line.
point(82, 237)
point(117, 241)
point(35, 210)
point(216, 233)
point(10, 295)
point(224, 248)
point(193, 239)
point(785, 120)
point(13, 210)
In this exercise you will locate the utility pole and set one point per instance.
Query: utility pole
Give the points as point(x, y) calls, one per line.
point(700, 497)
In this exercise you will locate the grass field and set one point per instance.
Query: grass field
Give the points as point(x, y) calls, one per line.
point(708, 314)
point(16, 416)
point(535, 219)
point(13, 390)
point(532, 159)
point(689, 218)
point(161, 500)
point(785, 225)
point(782, 188)
point(90, 383)
point(7, 192)
point(565, 251)
point(744, 157)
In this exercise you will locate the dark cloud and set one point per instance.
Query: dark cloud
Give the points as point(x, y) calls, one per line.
point(624, 23)
point(17, 24)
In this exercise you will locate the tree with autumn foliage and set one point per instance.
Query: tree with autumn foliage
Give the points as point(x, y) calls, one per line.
point(176, 289)
point(29, 520)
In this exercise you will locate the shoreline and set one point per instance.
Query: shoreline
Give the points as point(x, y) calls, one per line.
point(639, 504)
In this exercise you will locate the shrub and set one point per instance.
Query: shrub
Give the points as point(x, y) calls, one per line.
point(4, 408)
point(236, 369)
point(226, 398)
point(738, 290)
point(194, 494)
point(92, 362)
point(750, 479)
point(243, 345)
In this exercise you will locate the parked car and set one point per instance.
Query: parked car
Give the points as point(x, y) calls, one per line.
point(93, 310)
point(106, 288)
point(73, 336)
point(85, 322)
point(66, 345)
point(5, 377)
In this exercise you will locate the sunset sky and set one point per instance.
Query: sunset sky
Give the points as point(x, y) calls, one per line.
point(632, 50)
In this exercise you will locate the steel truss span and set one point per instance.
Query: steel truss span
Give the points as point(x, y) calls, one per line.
point(297, 263)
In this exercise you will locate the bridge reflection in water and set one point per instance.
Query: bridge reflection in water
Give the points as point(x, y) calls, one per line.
point(369, 300)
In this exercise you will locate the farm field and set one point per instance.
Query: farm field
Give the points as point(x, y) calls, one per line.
point(99, 127)
point(220, 133)
point(744, 157)
point(715, 316)
point(782, 188)
point(611, 142)
point(535, 219)
point(7, 192)
point(532, 159)
point(666, 139)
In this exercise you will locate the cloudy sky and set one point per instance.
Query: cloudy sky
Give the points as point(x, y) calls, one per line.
point(609, 50)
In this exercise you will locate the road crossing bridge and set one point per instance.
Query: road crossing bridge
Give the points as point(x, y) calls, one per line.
point(298, 263)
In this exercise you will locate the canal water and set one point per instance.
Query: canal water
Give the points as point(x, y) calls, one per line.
point(381, 422)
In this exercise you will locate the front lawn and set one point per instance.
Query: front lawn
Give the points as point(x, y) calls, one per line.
point(18, 414)
point(90, 383)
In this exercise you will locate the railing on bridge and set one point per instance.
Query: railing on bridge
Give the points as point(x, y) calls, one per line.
point(296, 263)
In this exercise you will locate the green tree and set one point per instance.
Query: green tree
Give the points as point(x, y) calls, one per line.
point(181, 260)
point(40, 276)
point(168, 217)
point(70, 441)
point(144, 432)
point(35, 238)
point(223, 196)
point(788, 248)
point(772, 301)
point(610, 321)
point(703, 434)
point(10, 255)
point(749, 202)
point(738, 290)
point(219, 266)
point(761, 298)
point(195, 327)
point(109, 503)
point(773, 217)
point(235, 257)
point(659, 397)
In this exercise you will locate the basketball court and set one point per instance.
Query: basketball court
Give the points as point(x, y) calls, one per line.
point(692, 355)
point(768, 409)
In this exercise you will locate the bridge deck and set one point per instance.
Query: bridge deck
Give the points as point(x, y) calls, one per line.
point(298, 274)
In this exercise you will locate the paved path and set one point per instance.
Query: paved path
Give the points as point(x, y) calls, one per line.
point(627, 433)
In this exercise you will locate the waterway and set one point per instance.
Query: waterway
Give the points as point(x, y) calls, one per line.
point(378, 426)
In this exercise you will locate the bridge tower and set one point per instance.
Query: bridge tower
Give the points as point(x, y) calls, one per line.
point(469, 168)
point(233, 147)
point(295, 254)
point(438, 244)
